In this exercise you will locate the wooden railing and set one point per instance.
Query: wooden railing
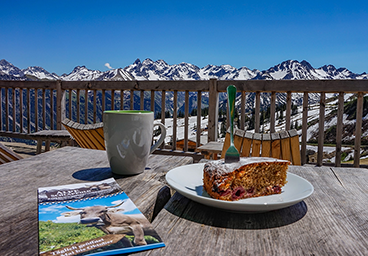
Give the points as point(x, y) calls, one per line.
point(27, 106)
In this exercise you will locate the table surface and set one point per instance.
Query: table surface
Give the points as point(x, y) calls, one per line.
point(212, 146)
point(332, 221)
point(21, 179)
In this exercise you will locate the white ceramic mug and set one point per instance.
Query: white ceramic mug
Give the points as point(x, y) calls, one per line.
point(128, 139)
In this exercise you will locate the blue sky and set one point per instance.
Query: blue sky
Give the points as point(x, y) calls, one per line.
point(60, 35)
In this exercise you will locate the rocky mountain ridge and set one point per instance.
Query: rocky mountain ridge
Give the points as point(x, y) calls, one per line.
point(160, 70)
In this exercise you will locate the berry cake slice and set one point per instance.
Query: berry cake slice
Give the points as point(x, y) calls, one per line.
point(250, 177)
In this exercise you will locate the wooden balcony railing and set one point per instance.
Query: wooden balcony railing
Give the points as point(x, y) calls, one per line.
point(30, 106)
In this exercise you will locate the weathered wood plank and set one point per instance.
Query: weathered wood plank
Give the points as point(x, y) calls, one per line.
point(247, 144)
point(285, 146)
point(103, 99)
point(85, 106)
point(7, 109)
point(329, 86)
point(266, 145)
point(315, 86)
point(304, 129)
point(180, 85)
point(1, 109)
point(199, 112)
point(272, 112)
point(358, 129)
point(321, 128)
point(186, 121)
point(94, 105)
point(330, 221)
point(36, 108)
point(213, 101)
point(142, 100)
point(288, 110)
point(51, 109)
point(152, 100)
point(70, 95)
point(256, 144)
point(257, 111)
point(121, 100)
point(175, 118)
point(242, 110)
point(13, 109)
point(275, 145)
point(294, 147)
point(28, 112)
point(339, 126)
point(43, 109)
point(78, 105)
point(66, 166)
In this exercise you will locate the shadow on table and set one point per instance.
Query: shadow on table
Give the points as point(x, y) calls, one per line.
point(193, 211)
point(96, 174)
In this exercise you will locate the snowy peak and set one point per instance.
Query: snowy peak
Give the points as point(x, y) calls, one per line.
point(160, 70)
point(290, 70)
point(38, 73)
point(81, 73)
point(6, 68)
point(116, 75)
point(294, 70)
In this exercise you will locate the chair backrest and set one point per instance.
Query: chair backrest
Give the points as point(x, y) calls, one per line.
point(281, 145)
point(86, 135)
point(7, 155)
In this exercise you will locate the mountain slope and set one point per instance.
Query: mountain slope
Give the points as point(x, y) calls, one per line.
point(160, 70)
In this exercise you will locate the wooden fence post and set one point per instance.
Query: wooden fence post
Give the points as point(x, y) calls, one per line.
point(60, 105)
point(213, 101)
point(303, 149)
point(358, 129)
point(321, 137)
point(339, 126)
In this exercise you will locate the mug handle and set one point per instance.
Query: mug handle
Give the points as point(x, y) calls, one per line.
point(162, 137)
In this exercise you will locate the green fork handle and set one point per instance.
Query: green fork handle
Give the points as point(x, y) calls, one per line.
point(231, 94)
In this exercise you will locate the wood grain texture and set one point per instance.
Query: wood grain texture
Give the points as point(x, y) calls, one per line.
point(21, 179)
point(256, 144)
point(266, 145)
point(212, 86)
point(275, 145)
point(285, 146)
point(247, 144)
point(332, 221)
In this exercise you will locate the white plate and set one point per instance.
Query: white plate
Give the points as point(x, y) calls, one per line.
point(188, 181)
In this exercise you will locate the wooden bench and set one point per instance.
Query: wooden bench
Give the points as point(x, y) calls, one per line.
point(86, 135)
point(60, 136)
point(211, 150)
point(7, 155)
point(281, 145)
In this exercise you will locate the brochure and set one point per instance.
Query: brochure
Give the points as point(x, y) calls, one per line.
point(94, 218)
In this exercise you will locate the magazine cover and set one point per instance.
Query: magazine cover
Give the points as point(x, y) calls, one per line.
point(105, 224)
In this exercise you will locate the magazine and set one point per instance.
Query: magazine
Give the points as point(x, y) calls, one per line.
point(94, 218)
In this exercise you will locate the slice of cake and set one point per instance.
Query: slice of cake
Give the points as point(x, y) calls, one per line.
point(250, 177)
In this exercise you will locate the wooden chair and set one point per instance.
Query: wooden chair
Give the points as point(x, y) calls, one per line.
point(86, 135)
point(281, 145)
point(7, 155)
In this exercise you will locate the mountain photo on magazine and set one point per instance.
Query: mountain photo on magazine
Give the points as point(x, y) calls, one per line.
point(92, 226)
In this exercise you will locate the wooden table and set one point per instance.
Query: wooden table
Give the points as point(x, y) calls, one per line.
point(20, 179)
point(48, 136)
point(332, 221)
point(211, 150)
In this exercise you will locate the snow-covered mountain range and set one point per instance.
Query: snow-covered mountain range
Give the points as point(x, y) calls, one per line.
point(160, 70)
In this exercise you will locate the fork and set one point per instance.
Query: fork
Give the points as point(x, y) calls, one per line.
point(232, 154)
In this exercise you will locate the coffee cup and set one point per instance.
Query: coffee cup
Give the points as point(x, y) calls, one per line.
point(128, 139)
